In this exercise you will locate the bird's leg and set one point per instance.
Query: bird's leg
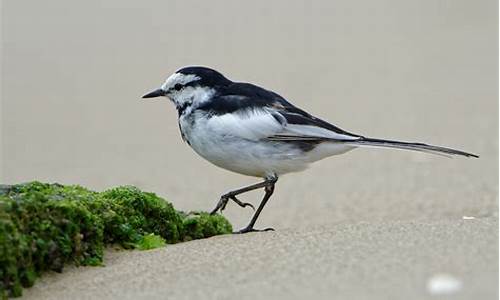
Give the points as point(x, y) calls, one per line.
point(269, 189)
point(232, 196)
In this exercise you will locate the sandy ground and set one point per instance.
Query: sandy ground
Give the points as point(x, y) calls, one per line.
point(383, 260)
point(369, 224)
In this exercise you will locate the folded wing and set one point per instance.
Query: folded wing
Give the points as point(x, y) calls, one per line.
point(278, 125)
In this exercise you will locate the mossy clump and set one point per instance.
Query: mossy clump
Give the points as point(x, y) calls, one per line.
point(45, 226)
point(198, 225)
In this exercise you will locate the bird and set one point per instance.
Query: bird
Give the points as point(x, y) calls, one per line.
point(253, 131)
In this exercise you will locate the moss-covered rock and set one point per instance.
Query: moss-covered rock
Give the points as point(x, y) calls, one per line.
point(45, 226)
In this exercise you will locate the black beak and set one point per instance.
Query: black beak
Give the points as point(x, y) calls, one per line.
point(155, 93)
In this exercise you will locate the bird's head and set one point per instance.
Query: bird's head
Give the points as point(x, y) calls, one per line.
point(190, 85)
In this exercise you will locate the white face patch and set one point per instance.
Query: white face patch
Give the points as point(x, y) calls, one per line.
point(178, 78)
point(190, 98)
point(186, 98)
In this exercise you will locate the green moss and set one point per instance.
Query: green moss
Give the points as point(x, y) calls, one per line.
point(129, 214)
point(151, 241)
point(198, 225)
point(45, 226)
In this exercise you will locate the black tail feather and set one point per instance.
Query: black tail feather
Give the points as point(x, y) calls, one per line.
point(409, 146)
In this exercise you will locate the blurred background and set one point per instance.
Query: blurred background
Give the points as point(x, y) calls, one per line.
point(73, 73)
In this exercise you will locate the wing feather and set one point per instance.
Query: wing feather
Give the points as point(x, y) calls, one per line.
point(251, 112)
point(272, 124)
point(251, 124)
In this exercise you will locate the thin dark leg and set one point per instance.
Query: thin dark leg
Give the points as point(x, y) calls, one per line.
point(232, 196)
point(269, 188)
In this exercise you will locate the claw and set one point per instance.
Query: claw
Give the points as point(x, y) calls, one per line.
point(220, 205)
point(242, 204)
point(251, 229)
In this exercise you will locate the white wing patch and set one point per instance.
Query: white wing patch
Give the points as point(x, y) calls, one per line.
point(256, 124)
point(253, 124)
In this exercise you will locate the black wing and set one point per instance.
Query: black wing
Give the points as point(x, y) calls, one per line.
point(245, 96)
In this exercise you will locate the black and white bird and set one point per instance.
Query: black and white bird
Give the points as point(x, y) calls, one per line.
point(249, 130)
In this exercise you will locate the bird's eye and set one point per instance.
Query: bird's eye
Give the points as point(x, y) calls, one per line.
point(178, 87)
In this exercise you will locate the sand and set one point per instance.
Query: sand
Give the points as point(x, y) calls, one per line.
point(383, 260)
point(374, 224)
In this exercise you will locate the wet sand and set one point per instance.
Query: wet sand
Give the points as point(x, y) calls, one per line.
point(367, 224)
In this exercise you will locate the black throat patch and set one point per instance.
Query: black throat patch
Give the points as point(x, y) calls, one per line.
point(182, 108)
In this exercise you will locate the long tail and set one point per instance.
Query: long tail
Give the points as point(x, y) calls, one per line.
point(409, 146)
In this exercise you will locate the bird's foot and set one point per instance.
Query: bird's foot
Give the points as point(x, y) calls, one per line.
point(251, 229)
point(223, 202)
point(240, 203)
